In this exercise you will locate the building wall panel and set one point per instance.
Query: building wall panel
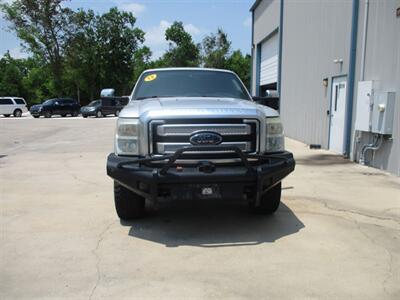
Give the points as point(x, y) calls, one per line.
point(315, 33)
point(382, 64)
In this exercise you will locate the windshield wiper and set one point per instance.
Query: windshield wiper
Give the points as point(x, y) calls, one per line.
point(148, 97)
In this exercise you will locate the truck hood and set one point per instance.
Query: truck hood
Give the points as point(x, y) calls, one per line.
point(195, 107)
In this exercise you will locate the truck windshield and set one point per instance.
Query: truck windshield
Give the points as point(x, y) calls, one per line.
point(189, 83)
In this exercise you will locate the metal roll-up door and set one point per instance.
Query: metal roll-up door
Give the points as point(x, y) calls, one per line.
point(269, 60)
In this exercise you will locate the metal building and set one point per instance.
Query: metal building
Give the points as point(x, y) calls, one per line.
point(336, 66)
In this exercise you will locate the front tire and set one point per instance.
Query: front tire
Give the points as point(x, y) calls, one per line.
point(7, 115)
point(128, 204)
point(99, 114)
point(36, 117)
point(269, 202)
point(17, 113)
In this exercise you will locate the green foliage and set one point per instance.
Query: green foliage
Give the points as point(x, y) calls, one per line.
point(217, 54)
point(241, 65)
point(41, 25)
point(77, 53)
point(182, 52)
point(216, 50)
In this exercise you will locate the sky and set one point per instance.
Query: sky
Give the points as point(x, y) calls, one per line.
point(200, 18)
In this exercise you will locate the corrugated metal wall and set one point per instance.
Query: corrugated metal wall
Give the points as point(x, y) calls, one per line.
point(382, 64)
point(315, 33)
point(266, 21)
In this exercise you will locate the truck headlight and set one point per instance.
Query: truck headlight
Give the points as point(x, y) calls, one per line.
point(274, 140)
point(127, 137)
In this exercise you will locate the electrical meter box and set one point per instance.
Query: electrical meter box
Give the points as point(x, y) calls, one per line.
point(383, 113)
point(364, 105)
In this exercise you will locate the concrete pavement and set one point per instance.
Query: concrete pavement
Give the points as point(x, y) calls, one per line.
point(335, 236)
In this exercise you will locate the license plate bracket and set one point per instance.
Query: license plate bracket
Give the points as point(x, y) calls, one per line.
point(208, 191)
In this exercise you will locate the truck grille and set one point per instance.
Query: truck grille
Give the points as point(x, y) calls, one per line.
point(168, 136)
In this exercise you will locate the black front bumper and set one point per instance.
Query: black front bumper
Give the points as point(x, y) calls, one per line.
point(249, 178)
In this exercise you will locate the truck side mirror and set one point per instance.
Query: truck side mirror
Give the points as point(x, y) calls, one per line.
point(272, 102)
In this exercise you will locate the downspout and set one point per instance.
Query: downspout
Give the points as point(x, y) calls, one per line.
point(252, 55)
point(351, 75)
point(364, 40)
point(280, 51)
point(357, 134)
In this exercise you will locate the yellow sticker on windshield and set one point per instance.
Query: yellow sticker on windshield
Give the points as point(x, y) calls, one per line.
point(150, 77)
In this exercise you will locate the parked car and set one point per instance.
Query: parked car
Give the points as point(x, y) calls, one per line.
point(196, 133)
point(58, 106)
point(12, 106)
point(103, 107)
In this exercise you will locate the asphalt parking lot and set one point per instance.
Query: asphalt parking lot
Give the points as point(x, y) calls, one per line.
point(335, 236)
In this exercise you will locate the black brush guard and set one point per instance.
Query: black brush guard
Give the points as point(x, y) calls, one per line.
point(162, 177)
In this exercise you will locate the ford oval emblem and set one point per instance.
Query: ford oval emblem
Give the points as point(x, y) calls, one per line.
point(205, 138)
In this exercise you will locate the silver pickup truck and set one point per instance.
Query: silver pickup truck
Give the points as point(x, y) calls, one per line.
point(194, 133)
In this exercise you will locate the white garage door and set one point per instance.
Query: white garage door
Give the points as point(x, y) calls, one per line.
point(269, 60)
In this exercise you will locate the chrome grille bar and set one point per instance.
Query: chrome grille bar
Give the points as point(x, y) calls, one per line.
point(189, 129)
point(168, 148)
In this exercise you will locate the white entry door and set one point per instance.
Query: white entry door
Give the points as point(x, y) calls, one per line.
point(338, 115)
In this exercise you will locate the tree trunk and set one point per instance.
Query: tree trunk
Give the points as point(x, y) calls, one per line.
point(78, 93)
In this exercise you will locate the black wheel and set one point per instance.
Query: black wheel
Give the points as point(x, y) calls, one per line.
point(7, 115)
point(99, 114)
point(269, 202)
point(75, 113)
point(36, 117)
point(64, 115)
point(84, 116)
point(127, 204)
point(17, 113)
point(47, 114)
point(117, 113)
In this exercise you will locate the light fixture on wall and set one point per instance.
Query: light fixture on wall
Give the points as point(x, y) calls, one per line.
point(325, 82)
point(338, 61)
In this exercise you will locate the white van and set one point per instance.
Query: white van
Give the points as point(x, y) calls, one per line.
point(12, 106)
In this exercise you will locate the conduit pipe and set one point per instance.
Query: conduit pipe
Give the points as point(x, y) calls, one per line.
point(370, 147)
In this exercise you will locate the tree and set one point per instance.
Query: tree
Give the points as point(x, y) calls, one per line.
point(82, 68)
point(118, 40)
point(41, 25)
point(216, 50)
point(104, 51)
point(141, 62)
point(216, 53)
point(11, 75)
point(182, 52)
point(241, 65)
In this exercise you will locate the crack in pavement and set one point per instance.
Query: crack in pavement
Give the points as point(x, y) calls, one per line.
point(344, 210)
point(389, 271)
point(94, 252)
point(389, 260)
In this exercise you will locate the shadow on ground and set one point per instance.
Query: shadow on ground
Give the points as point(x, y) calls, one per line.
point(322, 160)
point(213, 225)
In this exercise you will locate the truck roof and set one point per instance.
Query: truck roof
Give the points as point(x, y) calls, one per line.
point(188, 69)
